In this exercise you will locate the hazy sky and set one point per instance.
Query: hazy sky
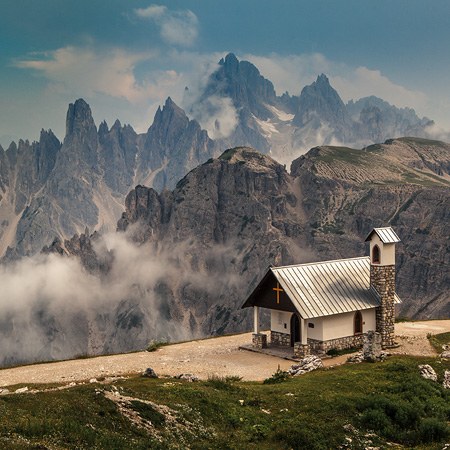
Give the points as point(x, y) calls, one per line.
point(124, 57)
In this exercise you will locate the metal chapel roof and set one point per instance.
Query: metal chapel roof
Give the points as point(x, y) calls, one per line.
point(386, 234)
point(327, 288)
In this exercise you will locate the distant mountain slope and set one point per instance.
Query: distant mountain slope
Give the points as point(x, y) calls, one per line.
point(323, 210)
point(184, 260)
point(287, 126)
point(50, 189)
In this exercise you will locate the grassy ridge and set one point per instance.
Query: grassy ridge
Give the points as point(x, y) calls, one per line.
point(323, 409)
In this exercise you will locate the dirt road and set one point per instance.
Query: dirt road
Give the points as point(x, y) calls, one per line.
point(216, 356)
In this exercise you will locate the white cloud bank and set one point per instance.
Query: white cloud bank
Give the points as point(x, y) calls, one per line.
point(179, 27)
point(292, 72)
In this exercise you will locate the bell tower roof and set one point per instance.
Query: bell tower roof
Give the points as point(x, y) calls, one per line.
point(387, 235)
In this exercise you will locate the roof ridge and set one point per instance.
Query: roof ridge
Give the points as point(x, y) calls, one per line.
point(320, 262)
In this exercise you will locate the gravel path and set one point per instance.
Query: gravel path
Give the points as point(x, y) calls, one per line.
point(216, 356)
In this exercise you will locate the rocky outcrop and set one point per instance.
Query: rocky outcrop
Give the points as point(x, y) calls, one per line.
point(50, 190)
point(307, 364)
point(427, 372)
point(173, 146)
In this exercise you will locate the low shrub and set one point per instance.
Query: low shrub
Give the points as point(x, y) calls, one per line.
point(278, 377)
point(154, 345)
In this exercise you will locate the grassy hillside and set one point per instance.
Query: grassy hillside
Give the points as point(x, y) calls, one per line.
point(352, 405)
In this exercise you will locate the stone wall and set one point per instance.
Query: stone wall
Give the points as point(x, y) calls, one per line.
point(277, 338)
point(301, 350)
point(382, 278)
point(259, 340)
point(321, 347)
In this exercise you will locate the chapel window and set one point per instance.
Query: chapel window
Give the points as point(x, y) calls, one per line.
point(376, 255)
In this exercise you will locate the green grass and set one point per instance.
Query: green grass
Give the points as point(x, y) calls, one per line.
point(438, 340)
point(313, 411)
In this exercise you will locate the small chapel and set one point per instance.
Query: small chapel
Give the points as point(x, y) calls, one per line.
point(317, 307)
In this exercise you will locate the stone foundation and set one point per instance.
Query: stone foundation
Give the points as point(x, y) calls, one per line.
point(259, 340)
point(282, 339)
point(382, 278)
point(301, 350)
point(321, 347)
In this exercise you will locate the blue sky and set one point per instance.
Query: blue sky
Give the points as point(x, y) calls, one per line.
point(124, 57)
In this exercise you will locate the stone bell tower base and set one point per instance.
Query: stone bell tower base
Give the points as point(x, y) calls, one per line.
point(382, 278)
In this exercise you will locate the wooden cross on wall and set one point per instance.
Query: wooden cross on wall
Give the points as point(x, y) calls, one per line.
point(278, 289)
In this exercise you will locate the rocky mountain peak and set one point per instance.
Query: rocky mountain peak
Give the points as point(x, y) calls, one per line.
point(320, 103)
point(250, 157)
point(242, 82)
point(79, 118)
point(168, 120)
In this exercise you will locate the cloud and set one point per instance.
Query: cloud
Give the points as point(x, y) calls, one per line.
point(363, 82)
point(52, 308)
point(292, 72)
point(216, 115)
point(178, 27)
point(85, 71)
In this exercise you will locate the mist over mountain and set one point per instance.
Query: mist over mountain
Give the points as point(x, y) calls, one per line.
point(183, 261)
point(51, 189)
point(198, 229)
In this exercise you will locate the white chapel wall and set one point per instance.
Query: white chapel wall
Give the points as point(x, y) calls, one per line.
point(342, 325)
point(316, 330)
point(280, 321)
point(387, 251)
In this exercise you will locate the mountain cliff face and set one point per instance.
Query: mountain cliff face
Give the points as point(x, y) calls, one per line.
point(248, 204)
point(51, 189)
point(286, 126)
point(183, 261)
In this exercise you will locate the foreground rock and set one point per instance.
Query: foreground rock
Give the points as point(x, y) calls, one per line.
point(149, 373)
point(187, 377)
point(446, 382)
point(427, 372)
point(307, 364)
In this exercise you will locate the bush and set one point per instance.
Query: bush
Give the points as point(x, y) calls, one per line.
point(433, 430)
point(224, 383)
point(278, 377)
point(154, 345)
point(301, 437)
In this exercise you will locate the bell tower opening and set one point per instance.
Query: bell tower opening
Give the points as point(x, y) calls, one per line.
point(376, 254)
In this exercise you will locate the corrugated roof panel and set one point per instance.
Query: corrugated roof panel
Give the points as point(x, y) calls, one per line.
point(328, 288)
point(386, 234)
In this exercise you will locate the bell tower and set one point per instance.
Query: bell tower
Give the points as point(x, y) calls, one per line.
point(382, 278)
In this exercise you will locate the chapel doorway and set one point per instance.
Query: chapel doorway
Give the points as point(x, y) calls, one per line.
point(295, 329)
point(358, 323)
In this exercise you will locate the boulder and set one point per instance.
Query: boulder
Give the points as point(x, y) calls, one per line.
point(372, 347)
point(446, 382)
point(21, 390)
point(426, 371)
point(357, 358)
point(307, 364)
point(187, 377)
point(149, 373)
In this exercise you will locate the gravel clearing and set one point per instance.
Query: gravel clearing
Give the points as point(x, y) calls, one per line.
point(204, 358)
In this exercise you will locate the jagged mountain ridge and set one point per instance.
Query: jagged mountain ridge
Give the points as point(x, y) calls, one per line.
point(263, 215)
point(230, 218)
point(287, 126)
point(83, 181)
point(87, 176)
point(321, 210)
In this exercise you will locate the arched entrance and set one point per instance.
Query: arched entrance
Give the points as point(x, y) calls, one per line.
point(358, 322)
point(376, 255)
point(295, 329)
